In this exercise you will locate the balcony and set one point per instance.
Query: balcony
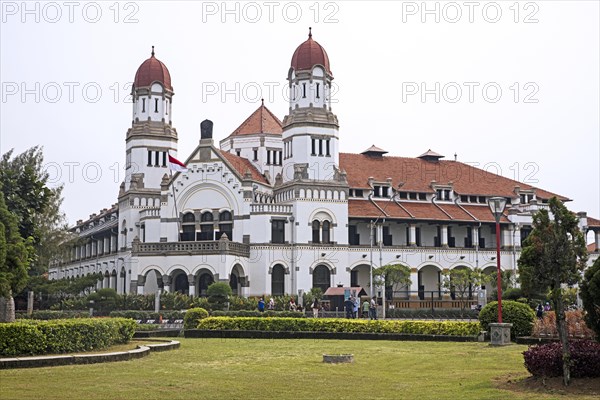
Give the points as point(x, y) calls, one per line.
point(279, 209)
point(205, 248)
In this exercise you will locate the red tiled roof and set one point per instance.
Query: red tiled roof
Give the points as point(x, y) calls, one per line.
point(309, 54)
point(593, 222)
point(358, 208)
point(243, 165)
point(152, 70)
point(416, 175)
point(260, 121)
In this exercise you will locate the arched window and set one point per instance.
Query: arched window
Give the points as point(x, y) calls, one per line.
point(326, 234)
point(321, 277)
point(278, 280)
point(225, 224)
point(206, 226)
point(188, 227)
point(181, 284)
point(316, 234)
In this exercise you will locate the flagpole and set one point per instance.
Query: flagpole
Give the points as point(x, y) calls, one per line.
point(175, 204)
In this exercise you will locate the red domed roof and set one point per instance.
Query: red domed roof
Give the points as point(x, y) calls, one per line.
point(308, 54)
point(152, 70)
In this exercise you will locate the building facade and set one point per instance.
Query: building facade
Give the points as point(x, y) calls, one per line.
point(276, 209)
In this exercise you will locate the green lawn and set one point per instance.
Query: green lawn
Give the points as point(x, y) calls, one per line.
point(284, 369)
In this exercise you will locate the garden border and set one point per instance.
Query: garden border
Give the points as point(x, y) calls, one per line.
point(52, 361)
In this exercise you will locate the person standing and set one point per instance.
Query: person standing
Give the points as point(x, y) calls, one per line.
point(315, 308)
point(373, 308)
point(272, 304)
point(356, 303)
point(365, 309)
point(261, 305)
point(349, 306)
point(293, 306)
point(539, 312)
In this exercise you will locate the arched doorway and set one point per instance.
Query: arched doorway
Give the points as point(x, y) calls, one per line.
point(153, 282)
point(180, 283)
point(429, 280)
point(235, 279)
point(278, 280)
point(321, 277)
point(204, 280)
point(360, 276)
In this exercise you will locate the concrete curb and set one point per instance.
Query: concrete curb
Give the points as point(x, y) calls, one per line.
point(52, 361)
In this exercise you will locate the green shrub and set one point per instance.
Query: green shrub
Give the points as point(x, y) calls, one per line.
point(512, 294)
point(254, 313)
point(50, 314)
point(590, 295)
point(426, 313)
point(145, 315)
point(62, 336)
point(459, 328)
point(218, 295)
point(193, 316)
point(518, 314)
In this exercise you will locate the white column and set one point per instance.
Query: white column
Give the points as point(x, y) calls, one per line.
point(597, 235)
point(444, 238)
point(414, 284)
point(412, 237)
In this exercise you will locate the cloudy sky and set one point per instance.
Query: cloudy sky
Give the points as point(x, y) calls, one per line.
point(512, 87)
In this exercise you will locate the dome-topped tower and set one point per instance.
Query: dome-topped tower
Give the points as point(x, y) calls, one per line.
point(151, 137)
point(152, 70)
point(152, 91)
point(310, 130)
point(309, 54)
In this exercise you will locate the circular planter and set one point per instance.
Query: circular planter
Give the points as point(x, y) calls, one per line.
point(338, 358)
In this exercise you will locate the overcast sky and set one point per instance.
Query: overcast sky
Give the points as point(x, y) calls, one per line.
point(512, 87)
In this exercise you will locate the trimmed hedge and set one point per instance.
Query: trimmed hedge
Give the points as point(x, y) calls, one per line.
point(193, 316)
point(51, 314)
point(268, 313)
point(421, 313)
point(145, 315)
point(340, 325)
point(518, 314)
point(63, 336)
point(546, 360)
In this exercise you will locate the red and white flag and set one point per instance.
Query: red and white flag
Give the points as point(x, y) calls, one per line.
point(176, 165)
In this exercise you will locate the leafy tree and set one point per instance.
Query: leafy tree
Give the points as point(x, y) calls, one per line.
point(393, 276)
point(590, 294)
point(463, 282)
point(554, 255)
point(15, 254)
point(36, 206)
point(218, 295)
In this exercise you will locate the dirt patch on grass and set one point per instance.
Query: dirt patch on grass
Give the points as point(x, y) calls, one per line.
point(550, 386)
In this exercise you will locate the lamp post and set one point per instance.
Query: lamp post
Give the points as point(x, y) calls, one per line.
point(497, 205)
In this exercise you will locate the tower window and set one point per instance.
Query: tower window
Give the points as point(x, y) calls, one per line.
point(320, 147)
point(304, 90)
point(255, 154)
point(313, 147)
point(318, 91)
point(164, 158)
point(143, 105)
point(167, 107)
point(155, 105)
point(156, 155)
point(327, 148)
point(268, 157)
point(149, 158)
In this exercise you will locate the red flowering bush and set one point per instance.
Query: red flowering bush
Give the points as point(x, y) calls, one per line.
point(546, 360)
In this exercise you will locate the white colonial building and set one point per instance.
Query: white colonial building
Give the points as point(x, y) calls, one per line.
point(275, 208)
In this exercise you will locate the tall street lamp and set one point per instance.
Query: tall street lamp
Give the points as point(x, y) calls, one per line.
point(497, 205)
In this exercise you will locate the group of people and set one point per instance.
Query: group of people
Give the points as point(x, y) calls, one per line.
point(270, 305)
point(368, 308)
point(540, 310)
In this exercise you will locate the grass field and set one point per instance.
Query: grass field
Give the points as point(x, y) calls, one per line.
point(287, 369)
